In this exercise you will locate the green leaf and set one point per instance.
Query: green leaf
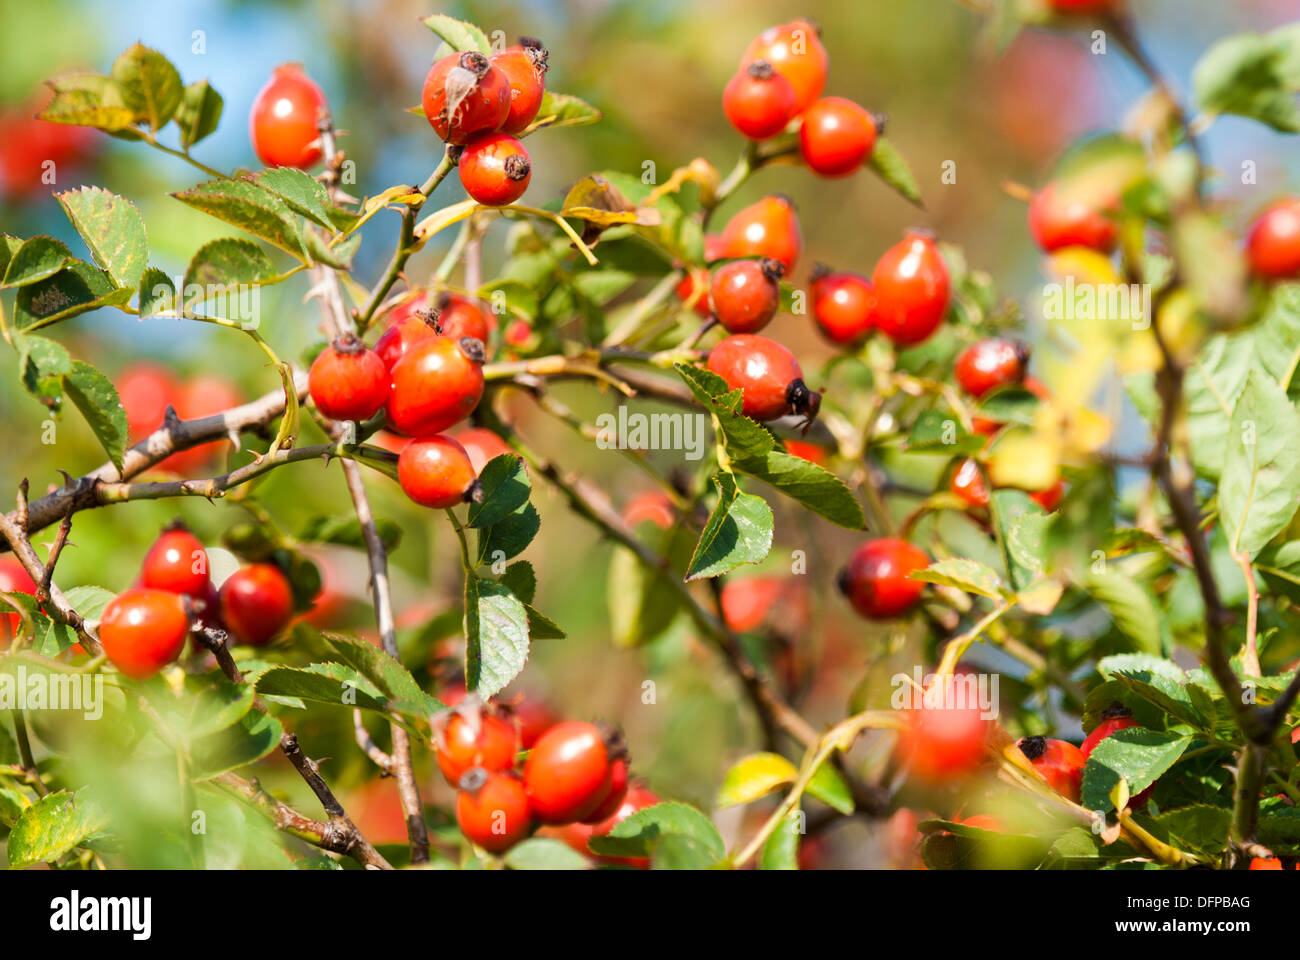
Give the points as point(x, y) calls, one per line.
point(1260, 483)
point(744, 437)
point(227, 262)
point(458, 34)
point(52, 826)
point(88, 100)
point(332, 684)
point(76, 289)
point(753, 777)
point(739, 531)
point(1199, 827)
point(1246, 75)
point(969, 575)
point(37, 259)
point(112, 229)
point(542, 627)
point(249, 207)
point(505, 485)
point(819, 490)
point(1136, 755)
point(938, 431)
point(150, 86)
point(1214, 381)
point(248, 741)
point(496, 636)
point(563, 110)
point(1010, 405)
point(520, 580)
point(543, 853)
point(677, 852)
point(781, 851)
point(304, 194)
point(157, 293)
point(639, 834)
point(642, 602)
point(891, 167)
point(42, 365)
point(828, 786)
point(1130, 606)
point(89, 600)
point(97, 399)
point(199, 112)
point(392, 679)
point(346, 530)
point(509, 536)
point(1021, 550)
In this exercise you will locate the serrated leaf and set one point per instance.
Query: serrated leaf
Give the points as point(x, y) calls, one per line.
point(544, 853)
point(510, 536)
point(36, 259)
point(53, 826)
point(199, 112)
point(496, 636)
point(304, 194)
point(97, 399)
point(505, 485)
point(458, 34)
point(42, 365)
point(753, 777)
point(890, 165)
point(76, 289)
point(744, 437)
point(521, 580)
point(88, 100)
point(226, 262)
point(1021, 551)
point(157, 293)
point(562, 110)
point(739, 531)
point(249, 207)
point(639, 834)
point(112, 229)
point(969, 575)
point(89, 600)
point(1259, 488)
point(389, 676)
point(817, 489)
point(1135, 754)
point(150, 86)
point(333, 684)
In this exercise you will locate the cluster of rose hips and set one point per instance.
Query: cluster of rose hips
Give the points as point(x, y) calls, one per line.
point(780, 80)
point(478, 102)
point(475, 102)
point(574, 781)
point(425, 373)
point(145, 627)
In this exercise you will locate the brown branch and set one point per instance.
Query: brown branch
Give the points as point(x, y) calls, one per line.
point(173, 435)
point(337, 836)
point(337, 322)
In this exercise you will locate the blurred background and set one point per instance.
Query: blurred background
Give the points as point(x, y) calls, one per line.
point(656, 70)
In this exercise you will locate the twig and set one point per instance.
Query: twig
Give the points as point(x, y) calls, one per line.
point(25, 754)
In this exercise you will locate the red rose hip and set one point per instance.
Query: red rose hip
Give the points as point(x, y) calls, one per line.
point(283, 124)
point(143, 630)
point(746, 294)
point(436, 472)
point(878, 578)
point(256, 603)
point(494, 169)
point(348, 381)
point(912, 290)
point(464, 95)
point(758, 101)
point(767, 373)
point(435, 385)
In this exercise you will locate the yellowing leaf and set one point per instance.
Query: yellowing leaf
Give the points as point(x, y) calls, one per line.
point(1024, 459)
point(755, 776)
